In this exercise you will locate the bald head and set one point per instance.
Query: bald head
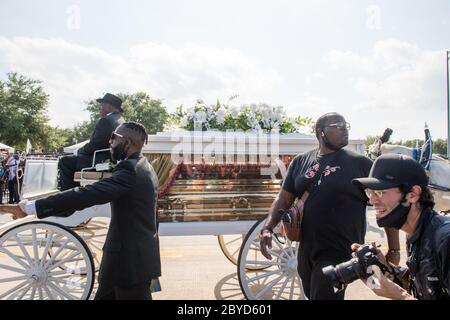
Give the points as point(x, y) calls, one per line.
point(326, 119)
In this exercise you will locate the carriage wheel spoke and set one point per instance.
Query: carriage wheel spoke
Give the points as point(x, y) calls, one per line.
point(59, 272)
point(232, 241)
point(283, 286)
point(33, 293)
point(235, 251)
point(78, 284)
point(291, 248)
point(279, 245)
point(3, 266)
point(56, 254)
point(14, 257)
point(47, 291)
point(271, 252)
point(13, 279)
point(265, 263)
point(269, 286)
point(16, 288)
point(47, 245)
point(62, 293)
point(41, 295)
point(65, 260)
point(24, 250)
point(25, 291)
point(291, 293)
point(35, 246)
point(264, 275)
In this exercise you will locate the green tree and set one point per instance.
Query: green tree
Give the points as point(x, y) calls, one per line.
point(57, 138)
point(138, 107)
point(440, 147)
point(23, 111)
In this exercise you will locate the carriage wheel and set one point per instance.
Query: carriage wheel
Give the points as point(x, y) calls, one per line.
point(27, 272)
point(231, 245)
point(279, 280)
point(93, 232)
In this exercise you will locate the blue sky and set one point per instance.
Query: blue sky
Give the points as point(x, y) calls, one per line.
point(379, 63)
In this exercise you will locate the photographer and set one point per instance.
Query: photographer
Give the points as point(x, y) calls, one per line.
point(397, 187)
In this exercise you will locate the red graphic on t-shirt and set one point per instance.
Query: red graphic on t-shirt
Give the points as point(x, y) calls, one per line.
point(311, 172)
point(329, 170)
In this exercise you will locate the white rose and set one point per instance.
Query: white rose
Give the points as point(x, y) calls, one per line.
point(220, 116)
point(234, 112)
point(209, 114)
point(184, 121)
point(200, 116)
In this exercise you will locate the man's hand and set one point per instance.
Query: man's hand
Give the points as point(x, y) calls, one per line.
point(384, 287)
point(380, 255)
point(266, 242)
point(16, 211)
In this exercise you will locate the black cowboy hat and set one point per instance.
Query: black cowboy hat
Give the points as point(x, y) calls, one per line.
point(113, 100)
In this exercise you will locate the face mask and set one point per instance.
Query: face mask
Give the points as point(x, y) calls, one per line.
point(396, 218)
point(118, 153)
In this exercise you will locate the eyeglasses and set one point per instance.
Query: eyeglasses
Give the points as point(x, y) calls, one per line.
point(340, 125)
point(378, 193)
point(114, 134)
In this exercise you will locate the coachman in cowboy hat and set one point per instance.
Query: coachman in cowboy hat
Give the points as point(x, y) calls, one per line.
point(113, 100)
point(111, 117)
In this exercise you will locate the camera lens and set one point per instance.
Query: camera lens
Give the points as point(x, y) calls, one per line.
point(344, 273)
point(331, 273)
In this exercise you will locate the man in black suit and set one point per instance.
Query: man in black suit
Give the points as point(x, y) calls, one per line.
point(131, 257)
point(111, 117)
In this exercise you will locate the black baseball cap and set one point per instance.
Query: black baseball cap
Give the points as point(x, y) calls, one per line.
point(393, 170)
point(112, 100)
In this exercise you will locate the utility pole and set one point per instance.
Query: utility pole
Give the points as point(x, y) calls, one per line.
point(448, 105)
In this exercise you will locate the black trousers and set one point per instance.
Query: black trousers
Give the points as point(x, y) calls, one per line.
point(140, 291)
point(67, 166)
point(13, 192)
point(316, 285)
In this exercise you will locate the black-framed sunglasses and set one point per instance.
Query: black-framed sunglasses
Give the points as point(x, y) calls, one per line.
point(114, 134)
point(340, 125)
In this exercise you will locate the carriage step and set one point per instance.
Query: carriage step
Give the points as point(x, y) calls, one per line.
point(91, 175)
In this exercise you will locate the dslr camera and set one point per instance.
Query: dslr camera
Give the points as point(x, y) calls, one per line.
point(356, 268)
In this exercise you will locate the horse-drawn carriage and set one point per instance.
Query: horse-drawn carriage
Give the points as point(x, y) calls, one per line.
point(211, 183)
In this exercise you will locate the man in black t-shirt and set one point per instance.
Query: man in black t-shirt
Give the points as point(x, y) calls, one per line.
point(335, 211)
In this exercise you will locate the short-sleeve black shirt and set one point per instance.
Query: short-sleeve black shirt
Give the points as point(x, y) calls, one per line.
point(335, 211)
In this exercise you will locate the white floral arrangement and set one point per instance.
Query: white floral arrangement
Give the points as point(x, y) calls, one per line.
point(259, 118)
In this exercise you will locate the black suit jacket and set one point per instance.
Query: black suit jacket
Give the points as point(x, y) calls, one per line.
point(100, 137)
point(131, 251)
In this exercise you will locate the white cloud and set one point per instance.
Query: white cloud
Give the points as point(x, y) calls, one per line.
point(72, 73)
point(399, 85)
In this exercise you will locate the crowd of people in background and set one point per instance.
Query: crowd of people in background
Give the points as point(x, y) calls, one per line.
point(9, 179)
point(11, 171)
